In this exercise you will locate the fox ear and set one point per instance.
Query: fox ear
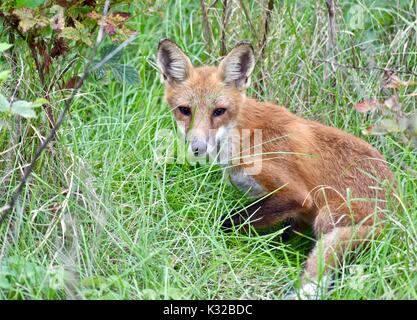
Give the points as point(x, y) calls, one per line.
point(174, 65)
point(237, 66)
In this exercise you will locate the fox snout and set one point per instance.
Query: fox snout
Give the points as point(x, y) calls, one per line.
point(198, 147)
point(201, 143)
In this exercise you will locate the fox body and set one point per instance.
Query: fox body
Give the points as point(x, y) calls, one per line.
point(310, 173)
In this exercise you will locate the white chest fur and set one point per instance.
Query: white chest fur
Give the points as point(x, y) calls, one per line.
point(246, 183)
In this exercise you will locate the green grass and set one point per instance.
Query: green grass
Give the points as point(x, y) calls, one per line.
point(130, 227)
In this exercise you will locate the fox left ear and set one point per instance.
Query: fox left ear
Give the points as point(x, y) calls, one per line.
point(237, 66)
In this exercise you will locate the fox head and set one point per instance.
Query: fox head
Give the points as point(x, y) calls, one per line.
point(205, 100)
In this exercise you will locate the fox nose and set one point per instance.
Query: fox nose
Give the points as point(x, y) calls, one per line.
point(198, 148)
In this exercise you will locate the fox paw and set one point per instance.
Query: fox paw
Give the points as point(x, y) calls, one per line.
point(314, 290)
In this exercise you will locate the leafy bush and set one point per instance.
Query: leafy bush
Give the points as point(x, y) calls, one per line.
point(55, 35)
point(390, 115)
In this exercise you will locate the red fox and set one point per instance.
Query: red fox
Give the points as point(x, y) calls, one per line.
point(310, 173)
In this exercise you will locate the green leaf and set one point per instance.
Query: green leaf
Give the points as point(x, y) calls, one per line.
point(150, 294)
point(100, 73)
point(29, 3)
point(39, 102)
point(4, 74)
point(92, 281)
point(125, 73)
point(390, 125)
point(23, 108)
point(4, 104)
point(4, 283)
point(2, 124)
point(5, 46)
point(77, 34)
point(111, 296)
point(412, 124)
point(108, 49)
point(174, 293)
point(383, 127)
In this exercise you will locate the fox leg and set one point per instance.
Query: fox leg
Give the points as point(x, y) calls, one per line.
point(268, 211)
point(338, 234)
point(294, 226)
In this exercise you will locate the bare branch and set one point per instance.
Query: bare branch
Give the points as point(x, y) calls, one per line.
point(206, 24)
point(19, 81)
point(225, 22)
point(262, 45)
point(248, 18)
point(331, 43)
point(213, 4)
point(115, 51)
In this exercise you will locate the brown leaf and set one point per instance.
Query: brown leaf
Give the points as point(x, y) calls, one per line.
point(60, 47)
point(94, 15)
point(41, 46)
point(394, 82)
point(110, 29)
point(367, 105)
point(28, 20)
point(55, 208)
point(393, 103)
point(122, 15)
point(58, 21)
point(63, 3)
point(47, 61)
point(115, 22)
point(72, 82)
point(91, 3)
point(368, 130)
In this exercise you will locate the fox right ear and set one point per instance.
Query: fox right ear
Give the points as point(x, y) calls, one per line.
point(174, 65)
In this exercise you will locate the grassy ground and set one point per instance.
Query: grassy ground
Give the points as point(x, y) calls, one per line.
point(102, 219)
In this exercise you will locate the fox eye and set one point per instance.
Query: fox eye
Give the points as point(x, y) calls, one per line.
point(186, 111)
point(218, 112)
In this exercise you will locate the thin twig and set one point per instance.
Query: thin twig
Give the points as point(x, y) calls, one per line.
point(248, 18)
point(16, 131)
point(19, 81)
point(57, 78)
point(213, 4)
point(28, 170)
point(331, 43)
point(225, 22)
point(331, 47)
point(206, 25)
point(115, 51)
point(40, 68)
point(262, 45)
